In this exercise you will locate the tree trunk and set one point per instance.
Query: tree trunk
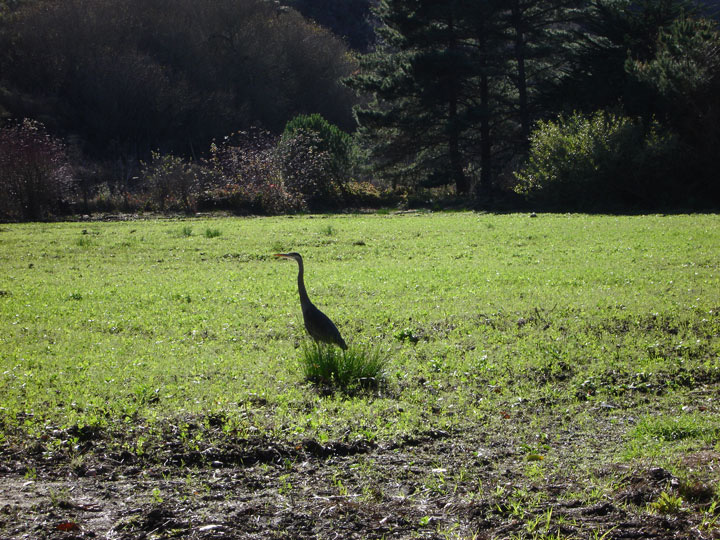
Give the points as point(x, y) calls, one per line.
point(521, 83)
point(485, 142)
point(462, 185)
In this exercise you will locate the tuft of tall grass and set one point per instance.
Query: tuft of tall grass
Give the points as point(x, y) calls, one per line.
point(84, 241)
point(212, 233)
point(356, 367)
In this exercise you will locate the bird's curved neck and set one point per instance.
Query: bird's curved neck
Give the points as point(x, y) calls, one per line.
point(301, 285)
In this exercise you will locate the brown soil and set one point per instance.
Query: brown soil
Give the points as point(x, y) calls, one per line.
point(439, 485)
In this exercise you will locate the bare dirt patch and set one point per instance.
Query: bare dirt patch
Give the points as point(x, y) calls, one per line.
point(435, 485)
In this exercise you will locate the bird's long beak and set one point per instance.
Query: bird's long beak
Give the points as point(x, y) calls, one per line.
point(283, 255)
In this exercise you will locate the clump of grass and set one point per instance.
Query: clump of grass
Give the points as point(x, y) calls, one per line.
point(187, 231)
point(212, 233)
point(329, 230)
point(84, 241)
point(356, 367)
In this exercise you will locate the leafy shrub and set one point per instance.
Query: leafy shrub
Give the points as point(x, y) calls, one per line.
point(35, 175)
point(315, 160)
point(363, 194)
point(600, 161)
point(113, 198)
point(242, 175)
point(172, 181)
point(307, 171)
point(330, 138)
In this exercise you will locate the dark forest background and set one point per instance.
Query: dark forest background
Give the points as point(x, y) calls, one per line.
point(260, 106)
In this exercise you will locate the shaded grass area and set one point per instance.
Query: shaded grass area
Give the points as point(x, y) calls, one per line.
point(543, 376)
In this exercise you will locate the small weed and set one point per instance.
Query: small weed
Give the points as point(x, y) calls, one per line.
point(60, 498)
point(355, 367)
point(77, 462)
point(186, 231)
point(534, 471)
point(84, 241)
point(667, 504)
point(337, 481)
point(285, 484)
point(31, 473)
point(328, 230)
point(212, 233)
point(436, 483)
point(407, 334)
point(597, 536)
point(710, 517)
point(157, 496)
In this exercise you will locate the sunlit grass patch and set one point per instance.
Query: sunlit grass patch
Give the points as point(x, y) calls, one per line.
point(653, 434)
point(488, 318)
point(357, 367)
point(676, 428)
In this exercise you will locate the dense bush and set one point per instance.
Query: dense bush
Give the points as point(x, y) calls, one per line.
point(35, 175)
point(364, 194)
point(307, 171)
point(172, 181)
point(596, 162)
point(243, 175)
point(315, 158)
point(330, 139)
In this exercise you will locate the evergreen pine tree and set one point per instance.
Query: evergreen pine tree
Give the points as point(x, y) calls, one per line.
point(610, 33)
point(539, 37)
point(453, 85)
point(430, 90)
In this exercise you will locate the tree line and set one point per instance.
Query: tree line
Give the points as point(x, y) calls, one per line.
point(126, 77)
point(583, 104)
point(625, 91)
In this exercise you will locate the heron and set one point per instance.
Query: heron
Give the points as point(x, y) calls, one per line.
point(317, 324)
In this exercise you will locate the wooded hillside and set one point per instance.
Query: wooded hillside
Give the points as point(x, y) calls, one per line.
point(162, 104)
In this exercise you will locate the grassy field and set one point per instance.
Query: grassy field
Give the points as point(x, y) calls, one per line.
point(530, 361)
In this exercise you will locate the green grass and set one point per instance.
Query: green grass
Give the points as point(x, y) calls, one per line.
point(354, 368)
point(530, 328)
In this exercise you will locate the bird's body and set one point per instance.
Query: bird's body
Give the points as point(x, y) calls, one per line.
point(317, 324)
